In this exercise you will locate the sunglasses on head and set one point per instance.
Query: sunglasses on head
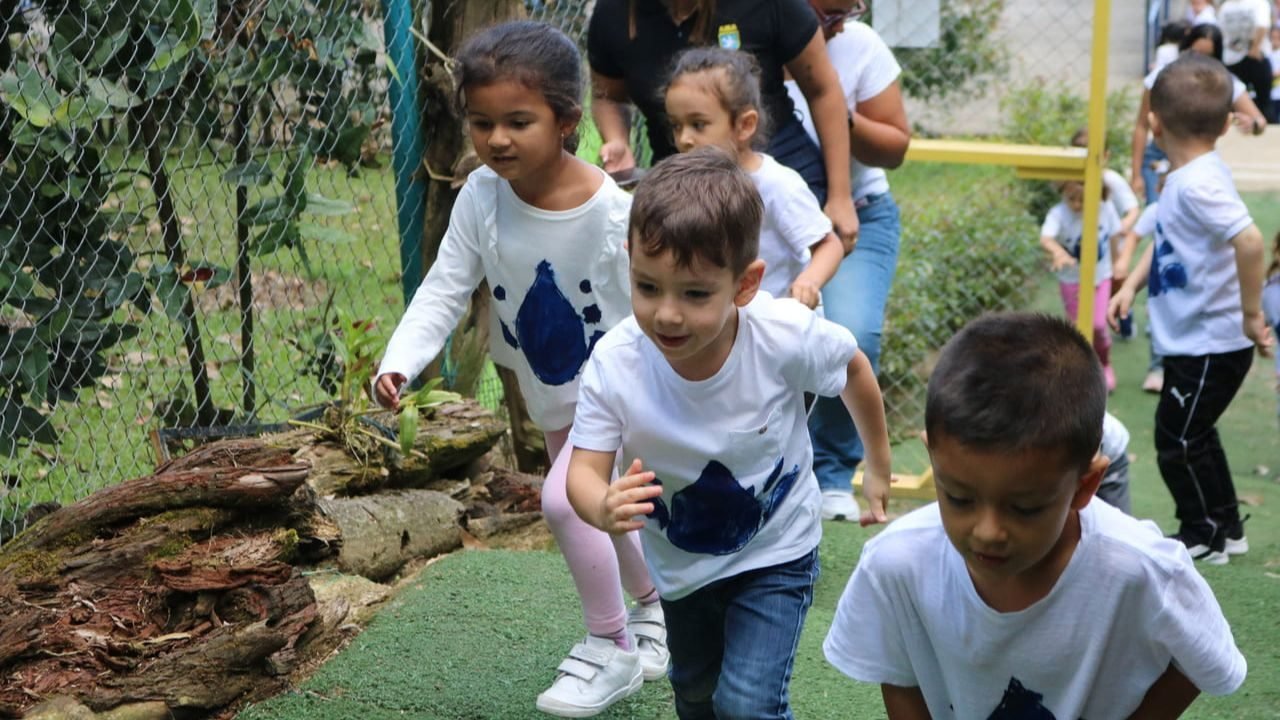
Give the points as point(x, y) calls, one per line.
point(830, 18)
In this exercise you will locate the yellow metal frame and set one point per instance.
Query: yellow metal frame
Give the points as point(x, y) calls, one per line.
point(1039, 162)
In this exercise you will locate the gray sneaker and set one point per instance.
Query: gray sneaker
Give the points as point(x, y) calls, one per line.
point(648, 629)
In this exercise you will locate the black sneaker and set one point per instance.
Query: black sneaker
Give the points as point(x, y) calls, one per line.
point(1237, 543)
point(1212, 552)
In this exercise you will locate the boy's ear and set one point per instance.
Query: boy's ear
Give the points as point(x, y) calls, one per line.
point(749, 283)
point(746, 124)
point(1090, 481)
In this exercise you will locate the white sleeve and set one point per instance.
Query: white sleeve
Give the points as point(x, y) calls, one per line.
point(1052, 223)
point(826, 349)
point(1146, 224)
point(1220, 209)
point(1122, 197)
point(1190, 625)
point(596, 424)
point(442, 297)
point(797, 215)
point(867, 640)
point(1115, 437)
point(879, 67)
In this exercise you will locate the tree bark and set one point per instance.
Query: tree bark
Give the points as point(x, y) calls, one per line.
point(380, 533)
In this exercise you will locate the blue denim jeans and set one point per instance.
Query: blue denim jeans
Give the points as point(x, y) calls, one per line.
point(733, 642)
point(792, 146)
point(855, 298)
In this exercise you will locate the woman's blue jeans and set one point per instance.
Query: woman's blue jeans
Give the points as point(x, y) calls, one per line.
point(855, 298)
point(733, 642)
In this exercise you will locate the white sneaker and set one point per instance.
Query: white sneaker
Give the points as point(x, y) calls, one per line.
point(596, 674)
point(839, 505)
point(648, 630)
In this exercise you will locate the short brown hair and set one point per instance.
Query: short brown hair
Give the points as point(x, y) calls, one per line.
point(1192, 97)
point(700, 206)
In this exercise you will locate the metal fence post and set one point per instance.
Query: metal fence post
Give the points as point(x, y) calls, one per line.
point(406, 140)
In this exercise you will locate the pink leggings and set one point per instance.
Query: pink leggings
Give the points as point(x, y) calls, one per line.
point(1101, 296)
point(601, 564)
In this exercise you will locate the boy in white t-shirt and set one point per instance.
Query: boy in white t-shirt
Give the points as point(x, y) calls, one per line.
point(1015, 596)
point(1203, 273)
point(703, 392)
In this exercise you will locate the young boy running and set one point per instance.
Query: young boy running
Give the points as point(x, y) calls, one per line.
point(1203, 274)
point(703, 392)
point(1014, 596)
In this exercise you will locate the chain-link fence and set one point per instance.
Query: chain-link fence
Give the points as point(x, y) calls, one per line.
point(191, 193)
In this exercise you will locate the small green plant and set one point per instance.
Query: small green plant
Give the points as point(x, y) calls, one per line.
point(344, 361)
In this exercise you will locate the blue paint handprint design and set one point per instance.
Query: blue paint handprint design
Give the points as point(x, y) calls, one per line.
point(1166, 272)
point(717, 515)
point(1020, 703)
point(549, 330)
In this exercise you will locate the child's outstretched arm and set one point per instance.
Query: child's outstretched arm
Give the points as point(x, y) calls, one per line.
point(1251, 268)
point(1122, 302)
point(1167, 698)
point(904, 703)
point(1122, 255)
point(611, 507)
point(1059, 258)
point(861, 395)
point(825, 257)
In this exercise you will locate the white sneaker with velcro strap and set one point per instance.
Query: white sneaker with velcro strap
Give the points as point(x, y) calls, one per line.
point(649, 629)
point(596, 674)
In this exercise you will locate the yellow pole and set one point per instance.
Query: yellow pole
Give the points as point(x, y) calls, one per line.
point(1093, 165)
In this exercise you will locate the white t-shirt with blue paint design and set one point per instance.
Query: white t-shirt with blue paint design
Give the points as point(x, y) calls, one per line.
point(1067, 228)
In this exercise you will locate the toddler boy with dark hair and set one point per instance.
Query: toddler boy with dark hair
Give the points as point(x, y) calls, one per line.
point(1014, 596)
point(1203, 273)
point(706, 383)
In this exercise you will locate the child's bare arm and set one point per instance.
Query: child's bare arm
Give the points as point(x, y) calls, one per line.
point(1122, 257)
point(826, 255)
point(1122, 301)
point(1167, 698)
point(1250, 267)
point(1131, 217)
point(904, 703)
point(861, 395)
point(611, 507)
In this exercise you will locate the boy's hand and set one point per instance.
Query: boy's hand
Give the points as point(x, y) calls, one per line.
point(1119, 307)
point(387, 390)
point(626, 498)
point(806, 292)
point(1255, 328)
point(875, 490)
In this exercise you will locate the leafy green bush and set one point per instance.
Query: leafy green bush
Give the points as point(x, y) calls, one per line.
point(968, 54)
point(1049, 114)
point(965, 252)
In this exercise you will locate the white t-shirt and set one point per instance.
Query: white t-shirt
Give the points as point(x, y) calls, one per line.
point(793, 222)
point(1193, 290)
point(866, 67)
point(1206, 16)
point(1118, 192)
point(1068, 229)
point(1237, 87)
point(732, 452)
point(558, 280)
point(1128, 603)
point(1240, 20)
point(1146, 222)
point(1165, 54)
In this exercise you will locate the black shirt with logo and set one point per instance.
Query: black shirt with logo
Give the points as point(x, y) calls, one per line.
point(774, 31)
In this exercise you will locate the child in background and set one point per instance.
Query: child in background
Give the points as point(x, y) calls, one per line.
point(1274, 59)
point(1271, 304)
point(1204, 275)
point(1114, 488)
point(1171, 34)
point(1061, 236)
point(1121, 267)
point(1014, 596)
point(548, 233)
point(702, 391)
point(713, 98)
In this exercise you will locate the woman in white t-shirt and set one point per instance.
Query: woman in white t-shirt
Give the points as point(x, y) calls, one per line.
point(857, 295)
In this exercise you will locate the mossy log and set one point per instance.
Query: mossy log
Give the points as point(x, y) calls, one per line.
point(380, 533)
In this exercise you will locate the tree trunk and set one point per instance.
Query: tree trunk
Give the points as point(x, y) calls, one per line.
point(380, 533)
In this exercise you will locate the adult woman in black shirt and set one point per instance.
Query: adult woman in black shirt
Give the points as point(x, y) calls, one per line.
point(630, 46)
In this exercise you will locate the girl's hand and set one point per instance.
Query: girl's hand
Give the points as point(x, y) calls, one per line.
point(1061, 261)
point(806, 292)
point(387, 390)
point(1119, 307)
point(626, 498)
point(875, 490)
point(616, 156)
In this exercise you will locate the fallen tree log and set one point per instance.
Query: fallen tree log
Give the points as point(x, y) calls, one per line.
point(380, 533)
